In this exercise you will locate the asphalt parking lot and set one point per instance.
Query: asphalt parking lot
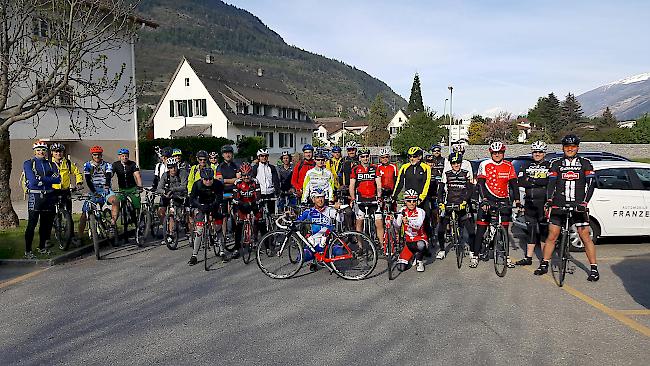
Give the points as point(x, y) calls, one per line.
point(147, 306)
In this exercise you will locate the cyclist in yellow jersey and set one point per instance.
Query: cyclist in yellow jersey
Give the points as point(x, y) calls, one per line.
point(334, 165)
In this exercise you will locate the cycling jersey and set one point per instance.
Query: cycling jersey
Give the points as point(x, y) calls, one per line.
point(321, 220)
point(70, 174)
point(246, 192)
point(125, 173)
point(227, 170)
point(195, 175)
point(365, 183)
point(388, 174)
point(267, 176)
point(334, 165)
point(41, 174)
point(206, 198)
point(414, 230)
point(416, 177)
point(495, 179)
point(98, 176)
point(455, 187)
point(570, 181)
point(437, 167)
point(299, 172)
point(533, 177)
point(346, 169)
point(318, 178)
point(466, 165)
point(176, 184)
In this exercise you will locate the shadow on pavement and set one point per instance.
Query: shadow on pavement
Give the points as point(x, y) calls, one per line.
point(634, 272)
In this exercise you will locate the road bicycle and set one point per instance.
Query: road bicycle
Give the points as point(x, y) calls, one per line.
point(564, 246)
point(496, 238)
point(266, 214)
point(453, 236)
point(99, 228)
point(248, 238)
point(230, 219)
point(369, 226)
point(393, 237)
point(210, 239)
point(63, 224)
point(351, 255)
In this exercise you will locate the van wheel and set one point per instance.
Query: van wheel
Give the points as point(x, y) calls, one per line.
point(575, 242)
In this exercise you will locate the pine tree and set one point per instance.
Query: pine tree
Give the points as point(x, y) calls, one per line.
point(415, 101)
point(571, 111)
point(423, 129)
point(377, 132)
point(609, 119)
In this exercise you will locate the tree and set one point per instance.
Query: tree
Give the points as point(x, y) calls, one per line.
point(546, 115)
point(608, 118)
point(415, 101)
point(477, 131)
point(571, 111)
point(57, 49)
point(351, 136)
point(423, 129)
point(247, 146)
point(501, 128)
point(377, 132)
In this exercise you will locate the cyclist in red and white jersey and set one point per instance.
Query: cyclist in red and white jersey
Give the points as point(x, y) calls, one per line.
point(365, 186)
point(497, 183)
point(387, 171)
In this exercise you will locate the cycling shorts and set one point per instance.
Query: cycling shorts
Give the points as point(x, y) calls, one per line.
point(485, 215)
point(579, 219)
point(360, 211)
point(132, 192)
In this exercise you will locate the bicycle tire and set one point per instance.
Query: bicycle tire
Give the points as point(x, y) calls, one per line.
point(205, 241)
point(174, 243)
point(389, 244)
point(94, 234)
point(65, 229)
point(363, 260)
point(279, 262)
point(229, 245)
point(247, 242)
point(455, 237)
point(143, 227)
point(563, 253)
point(500, 252)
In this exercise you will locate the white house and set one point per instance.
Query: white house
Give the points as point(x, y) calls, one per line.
point(626, 124)
point(524, 129)
point(397, 123)
point(207, 99)
point(55, 124)
point(458, 130)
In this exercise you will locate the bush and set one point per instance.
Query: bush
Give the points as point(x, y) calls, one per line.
point(189, 146)
point(247, 146)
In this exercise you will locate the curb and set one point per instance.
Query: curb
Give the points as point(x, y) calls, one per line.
point(52, 261)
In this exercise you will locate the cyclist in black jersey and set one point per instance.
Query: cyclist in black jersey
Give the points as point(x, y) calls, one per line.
point(206, 198)
point(571, 182)
point(129, 182)
point(437, 163)
point(533, 177)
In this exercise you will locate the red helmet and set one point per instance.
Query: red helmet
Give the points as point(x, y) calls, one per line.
point(245, 168)
point(96, 150)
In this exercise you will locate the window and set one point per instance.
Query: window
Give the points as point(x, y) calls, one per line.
point(187, 81)
point(644, 177)
point(65, 97)
point(181, 108)
point(40, 27)
point(171, 132)
point(613, 179)
point(256, 109)
point(200, 107)
point(172, 112)
point(285, 139)
point(268, 136)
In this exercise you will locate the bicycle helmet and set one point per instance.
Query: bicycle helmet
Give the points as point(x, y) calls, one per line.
point(213, 155)
point(207, 173)
point(245, 168)
point(202, 154)
point(538, 146)
point(318, 192)
point(123, 151)
point(455, 157)
point(39, 144)
point(385, 151)
point(336, 149)
point(262, 152)
point(307, 147)
point(57, 146)
point(227, 148)
point(415, 151)
point(320, 154)
point(177, 152)
point(435, 146)
point(411, 194)
point(172, 162)
point(428, 156)
point(351, 145)
point(458, 147)
point(96, 150)
point(570, 140)
point(166, 152)
point(364, 151)
point(497, 146)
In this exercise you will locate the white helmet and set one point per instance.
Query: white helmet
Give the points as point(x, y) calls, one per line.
point(497, 146)
point(458, 147)
point(39, 144)
point(172, 161)
point(411, 194)
point(385, 151)
point(538, 146)
point(262, 152)
point(351, 145)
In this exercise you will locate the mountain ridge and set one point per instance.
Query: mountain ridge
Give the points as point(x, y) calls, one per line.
point(627, 98)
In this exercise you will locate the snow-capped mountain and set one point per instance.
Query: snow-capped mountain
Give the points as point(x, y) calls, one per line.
point(627, 98)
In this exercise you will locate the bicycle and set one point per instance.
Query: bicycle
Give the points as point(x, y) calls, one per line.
point(208, 239)
point(63, 224)
point(287, 245)
point(147, 223)
point(563, 250)
point(453, 234)
point(393, 238)
point(496, 239)
point(266, 214)
point(176, 217)
point(369, 226)
point(248, 238)
point(99, 223)
point(127, 215)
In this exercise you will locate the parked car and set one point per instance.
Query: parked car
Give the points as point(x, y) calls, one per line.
point(620, 205)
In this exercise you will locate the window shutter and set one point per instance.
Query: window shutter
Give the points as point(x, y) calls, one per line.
point(190, 111)
point(204, 110)
point(171, 108)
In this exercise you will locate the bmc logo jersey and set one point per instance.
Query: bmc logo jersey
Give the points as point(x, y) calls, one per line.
point(497, 176)
point(246, 192)
point(571, 180)
point(365, 180)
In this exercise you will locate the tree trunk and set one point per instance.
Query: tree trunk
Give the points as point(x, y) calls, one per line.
point(8, 217)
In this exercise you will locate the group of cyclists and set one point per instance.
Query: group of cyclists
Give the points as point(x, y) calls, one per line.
point(429, 184)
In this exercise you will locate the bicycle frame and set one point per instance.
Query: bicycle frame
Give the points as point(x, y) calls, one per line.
point(319, 256)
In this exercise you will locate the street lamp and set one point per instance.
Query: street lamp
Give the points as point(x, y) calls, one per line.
point(451, 113)
point(444, 109)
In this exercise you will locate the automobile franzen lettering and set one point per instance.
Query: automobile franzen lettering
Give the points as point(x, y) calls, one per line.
point(570, 175)
point(631, 213)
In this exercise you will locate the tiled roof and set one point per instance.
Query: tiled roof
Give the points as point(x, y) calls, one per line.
point(193, 130)
point(263, 121)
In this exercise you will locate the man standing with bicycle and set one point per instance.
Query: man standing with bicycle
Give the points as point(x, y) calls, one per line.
point(161, 166)
point(246, 197)
point(206, 197)
point(98, 174)
point(173, 188)
point(227, 173)
point(533, 177)
point(365, 187)
point(129, 181)
point(571, 183)
point(497, 186)
point(455, 188)
point(287, 192)
point(71, 179)
point(267, 176)
point(301, 169)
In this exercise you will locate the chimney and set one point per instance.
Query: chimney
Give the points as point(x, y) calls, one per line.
point(209, 59)
point(260, 72)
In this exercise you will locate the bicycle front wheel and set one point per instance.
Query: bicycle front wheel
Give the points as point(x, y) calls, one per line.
point(500, 252)
point(94, 233)
point(279, 255)
point(460, 248)
point(169, 221)
point(352, 255)
point(389, 250)
point(64, 229)
point(563, 253)
point(247, 242)
point(143, 228)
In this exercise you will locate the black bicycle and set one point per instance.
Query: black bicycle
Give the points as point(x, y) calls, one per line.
point(369, 226)
point(453, 233)
point(563, 249)
point(496, 239)
point(209, 239)
point(128, 215)
point(148, 224)
point(63, 224)
point(99, 228)
point(175, 218)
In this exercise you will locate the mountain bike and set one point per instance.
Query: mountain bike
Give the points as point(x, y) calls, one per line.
point(496, 239)
point(351, 255)
point(393, 237)
point(148, 224)
point(99, 227)
point(128, 215)
point(563, 248)
point(63, 224)
point(176, 218)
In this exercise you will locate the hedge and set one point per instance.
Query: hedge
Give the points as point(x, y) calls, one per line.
point(189, 146)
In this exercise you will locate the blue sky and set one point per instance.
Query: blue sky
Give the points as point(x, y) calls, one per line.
point(498, 55)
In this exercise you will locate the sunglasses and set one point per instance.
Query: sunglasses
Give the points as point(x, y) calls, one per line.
point(364, 156)
point(436, 150)
point(97, 155)
point(201, 159)
point(410, 200)
point(319, 159)
point(263, 156)
point(497, 153)
point(414, 156)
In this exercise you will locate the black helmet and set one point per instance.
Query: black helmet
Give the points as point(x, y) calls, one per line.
point(455, 157)
point(202, 154)
point(570, 140)
point(207, 173)
point(166, 152)
point(226, 148)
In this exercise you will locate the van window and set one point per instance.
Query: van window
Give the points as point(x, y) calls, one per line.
point(613, 179)
point(644, 177)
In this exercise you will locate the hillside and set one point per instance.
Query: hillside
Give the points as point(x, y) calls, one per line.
point(238, 38)
point(628, 98)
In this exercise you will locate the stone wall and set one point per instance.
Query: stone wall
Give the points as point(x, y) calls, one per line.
point(632, 151)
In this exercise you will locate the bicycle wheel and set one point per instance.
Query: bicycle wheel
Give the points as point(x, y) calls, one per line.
point(389, 249)
point(563, 253)
point(284, 257)
point(94, 233)
point(169, 221)
point(229, 238)
point(206, 240)
point(63, 229)
point(247, 242)
point(500, 252)
point(455, 238)
point(352, 255)
point(143, 227)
